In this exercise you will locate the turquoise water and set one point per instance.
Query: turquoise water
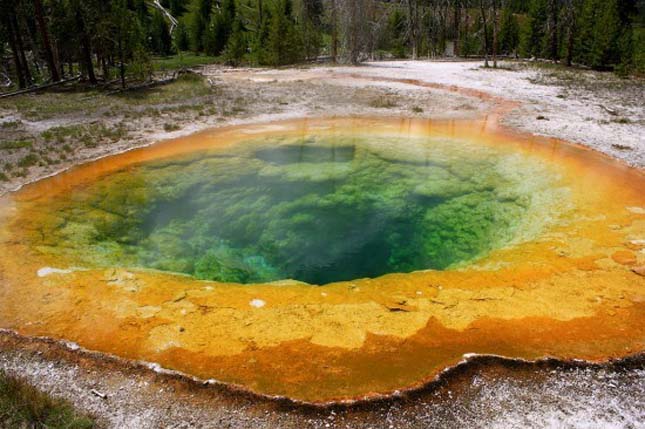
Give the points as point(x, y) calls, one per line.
point(318, 209)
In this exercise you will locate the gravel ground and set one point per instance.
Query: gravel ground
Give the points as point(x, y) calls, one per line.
point(598, 110)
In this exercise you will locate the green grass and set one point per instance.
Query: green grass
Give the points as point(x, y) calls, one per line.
point(186, 88)
point(52, 104)
point(15, 144)
point(183, 60)
point(10, 125)
point(87, 102)
point(382, 102)
point(171, 127)
point(28, 160)
point(22, 406)
point(87, 134)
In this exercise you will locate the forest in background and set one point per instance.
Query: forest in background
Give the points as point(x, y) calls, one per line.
point(120, 40)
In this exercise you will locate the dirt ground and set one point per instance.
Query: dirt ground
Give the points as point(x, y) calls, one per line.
point(43, 134)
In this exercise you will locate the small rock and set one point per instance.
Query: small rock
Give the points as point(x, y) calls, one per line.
point(624, 257)
point(257, 303)
point(621, 147)
point(636, 210)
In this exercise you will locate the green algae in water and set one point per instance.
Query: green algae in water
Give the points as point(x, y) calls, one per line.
point(318, 210)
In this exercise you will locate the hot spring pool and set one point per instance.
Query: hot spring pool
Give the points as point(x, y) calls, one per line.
point(431, 240)
point(317, 209)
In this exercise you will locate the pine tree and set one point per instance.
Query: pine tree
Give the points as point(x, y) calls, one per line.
point(535, 29)
point(284, 44)
point(311, 22)
point(160, 40)
point(603, 40)
point(177, 7)
point(509, 34)
point(84, 18)
point(236, 46)
point(182, 39)
point(395, 34)
point(260, 39)
point(44, 31)
point(126, 33)
point(215, 36)
point(140, 8)
point(470, 42)
point(220, 28)
point(200, 24)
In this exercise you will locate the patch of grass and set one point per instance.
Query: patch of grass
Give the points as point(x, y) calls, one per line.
point(61, 133)
point(88, 135)
point(171, 127)
point(28, 160)
point(54, 104)
point(382, 102)
point(187, 87)
point(3, 177)
point(182, 60)
point(417, 109)
point(15, 144)
point(622, 121)
point(10, 125)
point(23, 406)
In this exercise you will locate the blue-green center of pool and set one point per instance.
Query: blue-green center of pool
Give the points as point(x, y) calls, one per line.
point(317, 209)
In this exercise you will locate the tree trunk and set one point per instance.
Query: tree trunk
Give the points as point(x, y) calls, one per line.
point(484, 22)
point(571, 28)
point(60, 63)
point(553, 27)
point(87, 59)
point(14, 51)
point(122, 65)
point(106, 68)
point(495, 29)
point(354, 31)
point(49, 54)
point(412, 26)
point(570, 44)
point(334, 31)
point(21, 49)
point(86, 48)
point(457, 25)
point(260, 13)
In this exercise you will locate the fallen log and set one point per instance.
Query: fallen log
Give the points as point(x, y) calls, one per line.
point(40, 87)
